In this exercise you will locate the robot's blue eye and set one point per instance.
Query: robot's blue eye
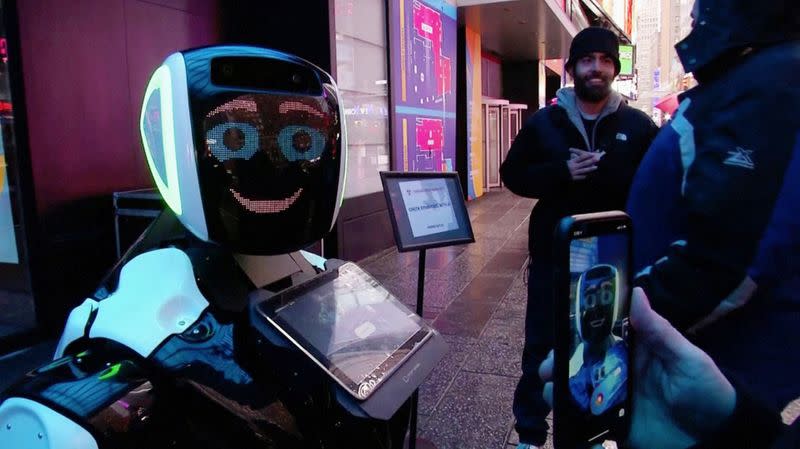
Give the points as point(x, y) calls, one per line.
point(301, 143)
point(590, 300)
point(233, 140)
point(606, 295)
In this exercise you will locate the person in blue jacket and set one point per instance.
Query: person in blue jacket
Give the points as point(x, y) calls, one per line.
point(713, 204)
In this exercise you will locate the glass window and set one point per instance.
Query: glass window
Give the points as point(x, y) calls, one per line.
point(17, 311)
point(362, 76)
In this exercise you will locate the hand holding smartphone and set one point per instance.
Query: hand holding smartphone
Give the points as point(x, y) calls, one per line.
point(592, 387)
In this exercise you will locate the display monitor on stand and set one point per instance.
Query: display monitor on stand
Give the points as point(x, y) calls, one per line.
point(427, 210)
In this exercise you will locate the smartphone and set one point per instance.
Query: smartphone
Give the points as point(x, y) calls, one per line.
point(592, 376)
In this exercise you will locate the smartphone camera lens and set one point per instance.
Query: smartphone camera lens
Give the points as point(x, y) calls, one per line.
point(227, 70)
point(297, 78)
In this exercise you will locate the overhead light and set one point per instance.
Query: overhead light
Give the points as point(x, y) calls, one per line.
point(381, 82)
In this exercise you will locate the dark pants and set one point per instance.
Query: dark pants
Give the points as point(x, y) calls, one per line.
point(530, 409)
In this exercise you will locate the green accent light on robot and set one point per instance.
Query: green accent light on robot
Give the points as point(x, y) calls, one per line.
point(110, 372)
point(170, 190)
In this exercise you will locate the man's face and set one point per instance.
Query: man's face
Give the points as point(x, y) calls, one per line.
point(593, 75)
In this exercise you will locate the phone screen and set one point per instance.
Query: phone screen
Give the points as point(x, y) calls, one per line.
point(599, 334)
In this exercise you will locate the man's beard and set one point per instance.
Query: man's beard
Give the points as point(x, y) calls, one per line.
point(592, 94)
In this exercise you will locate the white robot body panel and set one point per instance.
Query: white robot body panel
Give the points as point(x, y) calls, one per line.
point(76, 325)
point(28, 424)
point(157, 297)
point(314, 259)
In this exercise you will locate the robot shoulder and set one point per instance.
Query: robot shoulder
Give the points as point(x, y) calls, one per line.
point(157, 296)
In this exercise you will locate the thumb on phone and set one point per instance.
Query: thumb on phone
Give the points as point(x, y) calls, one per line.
point(654, 331)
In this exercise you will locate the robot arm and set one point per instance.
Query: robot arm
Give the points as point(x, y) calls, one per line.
point(100, 397)
point(157, 297)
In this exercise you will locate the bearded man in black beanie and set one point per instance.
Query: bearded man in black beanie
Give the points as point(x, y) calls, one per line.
point(576, 156)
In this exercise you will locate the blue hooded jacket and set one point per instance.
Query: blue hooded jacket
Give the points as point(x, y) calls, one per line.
point(713, 198)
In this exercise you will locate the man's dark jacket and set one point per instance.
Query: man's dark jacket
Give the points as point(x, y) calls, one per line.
point(536, 165)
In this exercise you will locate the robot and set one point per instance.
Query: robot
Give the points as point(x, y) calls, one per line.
point(216, 329)
point(598, 368)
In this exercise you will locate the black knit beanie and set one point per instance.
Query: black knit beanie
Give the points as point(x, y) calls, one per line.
point(594, 39)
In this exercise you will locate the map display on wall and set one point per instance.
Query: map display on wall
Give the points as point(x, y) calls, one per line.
point(423, 61)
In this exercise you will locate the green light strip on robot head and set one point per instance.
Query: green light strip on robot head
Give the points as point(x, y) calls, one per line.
point(170, 190)
point(333, 89)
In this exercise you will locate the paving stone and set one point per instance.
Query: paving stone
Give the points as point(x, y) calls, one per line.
point(511, 309)
point(474, 413)
point(499, 349)
point(485, 287)
point(440, 258)
point(507, 262)
point(410, 275)
point(486, 218)
point(436, 384)
point(390, 264)
point(372, 258)
point(485, 247)
point(465, 318)
point(517, 243)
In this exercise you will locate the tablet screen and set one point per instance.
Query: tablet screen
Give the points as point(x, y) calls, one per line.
point(351, 325)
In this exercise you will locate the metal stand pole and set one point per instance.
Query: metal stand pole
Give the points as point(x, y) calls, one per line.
point(412, 440)
point(420, 281)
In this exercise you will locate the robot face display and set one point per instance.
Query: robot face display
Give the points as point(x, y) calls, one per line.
point(267, 142)
point(596, 302)
point(264, 167)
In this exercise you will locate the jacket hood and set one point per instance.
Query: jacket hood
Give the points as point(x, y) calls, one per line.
point(725, 27)
point(567, 99)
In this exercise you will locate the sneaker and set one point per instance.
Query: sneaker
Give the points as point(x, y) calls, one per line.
point(526, 446)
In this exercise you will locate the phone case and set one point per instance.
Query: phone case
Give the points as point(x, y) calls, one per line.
point(567, 433)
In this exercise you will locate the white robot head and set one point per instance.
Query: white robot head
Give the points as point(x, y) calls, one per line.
point(597, 302)
point(247, 146)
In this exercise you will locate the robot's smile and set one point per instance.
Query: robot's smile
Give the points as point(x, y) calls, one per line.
point(267, 206)
point(597, 323)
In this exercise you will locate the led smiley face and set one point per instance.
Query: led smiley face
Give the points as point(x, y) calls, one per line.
point(271, 166)
point(597, 297)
